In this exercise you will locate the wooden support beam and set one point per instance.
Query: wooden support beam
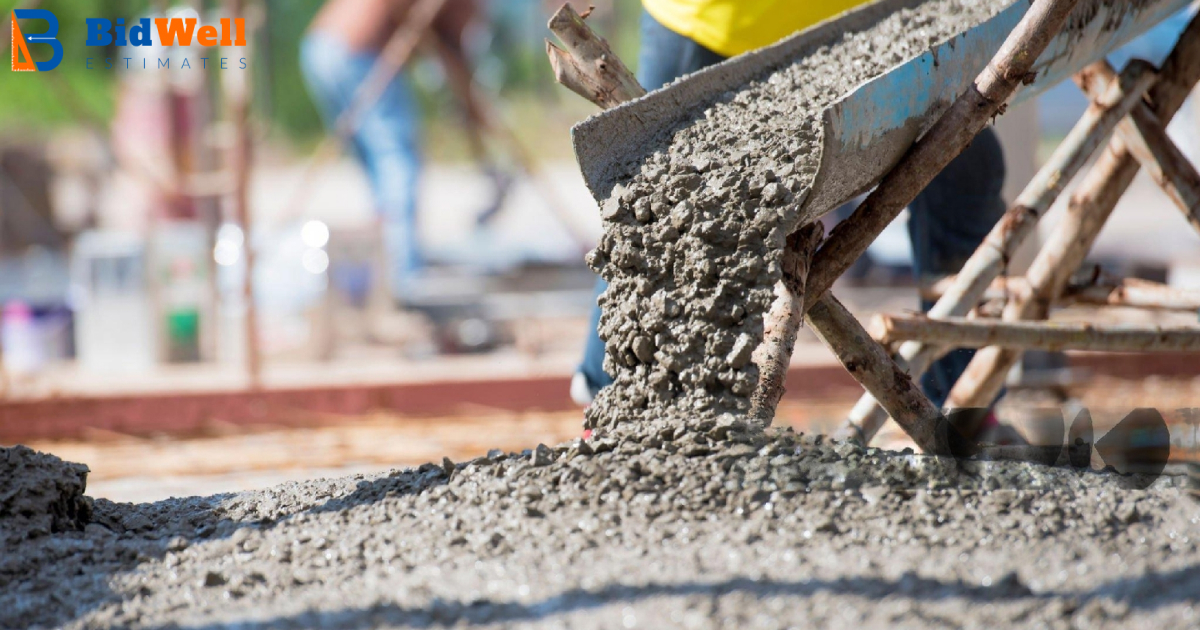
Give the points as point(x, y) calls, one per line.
point(1103, 291)
point(1089, 209)
point(978, 333)
point(1008, 70)
point(586, 63)
point(954, 131)
point(1010, 233)
point(783, 323)
point(872, 366)
point(1147, 139)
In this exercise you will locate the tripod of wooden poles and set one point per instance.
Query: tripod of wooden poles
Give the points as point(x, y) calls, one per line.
point(1123, 127)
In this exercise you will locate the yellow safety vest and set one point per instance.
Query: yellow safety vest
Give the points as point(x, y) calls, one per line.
point(732, 27)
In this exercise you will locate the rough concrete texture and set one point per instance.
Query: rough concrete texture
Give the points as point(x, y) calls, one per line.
point(39, 494)
point(693, 237)
point(713, 527)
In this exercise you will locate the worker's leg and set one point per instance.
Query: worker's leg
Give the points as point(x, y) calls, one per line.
point(386, 142)
point(947, 222)
point(664, 57)
point(389, 135)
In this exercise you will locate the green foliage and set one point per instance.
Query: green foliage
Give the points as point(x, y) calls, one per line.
point(281, 96)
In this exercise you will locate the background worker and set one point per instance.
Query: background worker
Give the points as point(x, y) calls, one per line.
point(947, 221)
point(343, 44)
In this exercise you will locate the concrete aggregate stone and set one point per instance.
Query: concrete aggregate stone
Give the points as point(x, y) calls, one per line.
point(693, 235)
point(729, 528)
point(40, 494)
point(678, 512)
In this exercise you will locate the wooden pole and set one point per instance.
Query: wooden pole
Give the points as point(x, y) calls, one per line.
point(1103, 291)
point(605, 84)
point(1089, 209)
point(1147, 139)
point(1008, 70)
point(872, 366)
point(1014, 228)
point(978, 333)
point(237, 109)
point(586, 63)
point(783, 323)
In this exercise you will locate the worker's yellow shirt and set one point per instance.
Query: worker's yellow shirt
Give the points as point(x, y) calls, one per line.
point(732, 27)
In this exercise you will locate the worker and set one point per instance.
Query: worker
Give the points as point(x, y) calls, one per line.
point(342, 46)
point(947, 221)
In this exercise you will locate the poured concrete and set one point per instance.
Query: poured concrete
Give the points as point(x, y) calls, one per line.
point(717, 527)
point(694, 230)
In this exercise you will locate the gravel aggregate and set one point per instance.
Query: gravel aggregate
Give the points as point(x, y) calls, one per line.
point(716, 526)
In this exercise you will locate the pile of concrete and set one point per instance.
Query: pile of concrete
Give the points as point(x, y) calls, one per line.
point(679, 514)
point(40, 494)
point(694, 233)
point(718, 526)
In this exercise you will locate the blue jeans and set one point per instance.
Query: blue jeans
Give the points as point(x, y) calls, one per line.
point(947, 221)
point(386, 143)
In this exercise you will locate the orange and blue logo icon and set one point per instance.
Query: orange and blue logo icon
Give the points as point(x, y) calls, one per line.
point(23, 40)
point(101, 32)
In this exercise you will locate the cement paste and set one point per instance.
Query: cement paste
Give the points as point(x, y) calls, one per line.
point(710, 527)
point(39, 494)
point(693, 236)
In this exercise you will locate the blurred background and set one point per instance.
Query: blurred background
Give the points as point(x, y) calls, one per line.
point(195, 291)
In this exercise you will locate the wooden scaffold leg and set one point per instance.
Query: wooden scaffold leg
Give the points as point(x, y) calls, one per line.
point(953, 132)
point(1089, 209)
point(1011, 232)
point(589, 68)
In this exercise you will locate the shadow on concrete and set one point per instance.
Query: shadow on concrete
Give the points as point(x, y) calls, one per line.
point(1146, 592)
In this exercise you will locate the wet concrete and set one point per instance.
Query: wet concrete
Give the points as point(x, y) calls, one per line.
point(694, 231)
point(685, 516)
point(712, 527)
point(40, 494)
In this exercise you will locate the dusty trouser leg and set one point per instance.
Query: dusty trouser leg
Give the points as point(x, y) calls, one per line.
point(947, 222)
point(665, 56)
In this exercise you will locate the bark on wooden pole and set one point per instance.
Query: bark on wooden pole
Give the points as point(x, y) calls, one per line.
point(1147, 139)
point(978, 333)
point(1008, 70)
point(783, 323)
point(1089, 209)
point(1103, 291)
point(871, 365)
point(1010, 233)
point(586, 63)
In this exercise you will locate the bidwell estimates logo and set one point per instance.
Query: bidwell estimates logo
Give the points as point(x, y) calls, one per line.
point(22, 61)
point(173, 32)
